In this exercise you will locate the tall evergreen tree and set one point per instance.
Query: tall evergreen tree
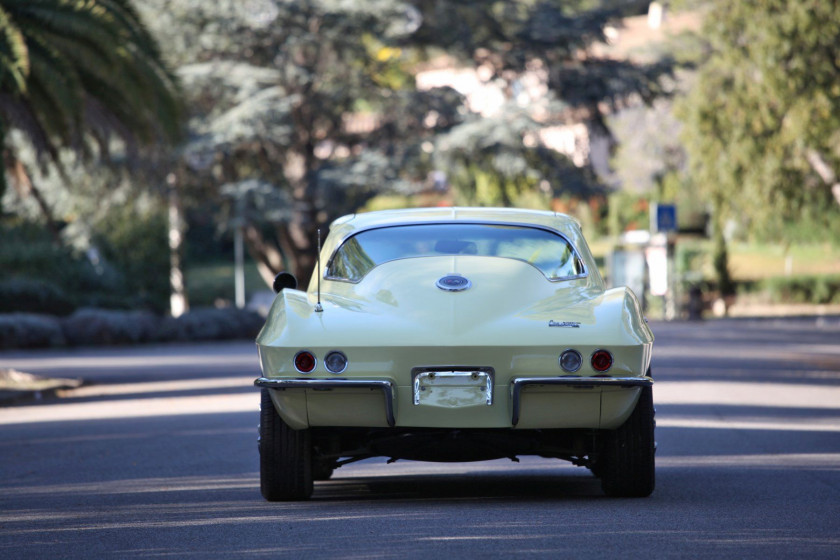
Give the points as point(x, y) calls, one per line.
point(315, 101)
point(763, 121)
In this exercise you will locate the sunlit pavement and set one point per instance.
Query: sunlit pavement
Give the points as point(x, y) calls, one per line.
point(157, 457)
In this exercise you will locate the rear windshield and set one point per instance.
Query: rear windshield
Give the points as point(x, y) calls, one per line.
point(551, 253)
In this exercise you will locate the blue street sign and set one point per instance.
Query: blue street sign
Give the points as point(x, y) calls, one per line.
point(663, 218)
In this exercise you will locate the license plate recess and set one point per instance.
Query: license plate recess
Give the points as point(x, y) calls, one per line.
point(453, 388)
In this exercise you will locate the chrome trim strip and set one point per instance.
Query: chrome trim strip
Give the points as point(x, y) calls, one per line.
point(517, 384)
point(450, 222)
point(417, 370)
point(386, 386)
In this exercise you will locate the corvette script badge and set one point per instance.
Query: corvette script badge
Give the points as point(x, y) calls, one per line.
point(567, 324)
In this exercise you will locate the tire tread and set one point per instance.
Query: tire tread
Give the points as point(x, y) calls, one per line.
point(628, 468)
point(285, 456)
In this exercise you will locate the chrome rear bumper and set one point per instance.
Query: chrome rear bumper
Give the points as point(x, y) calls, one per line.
point(516, 386)
point(518, 383)
point(387, 388)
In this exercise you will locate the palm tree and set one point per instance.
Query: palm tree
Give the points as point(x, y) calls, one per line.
point(78, 73)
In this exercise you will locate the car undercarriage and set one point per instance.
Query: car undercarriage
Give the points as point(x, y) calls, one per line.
point(345, 445)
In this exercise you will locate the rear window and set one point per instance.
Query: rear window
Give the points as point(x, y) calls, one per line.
point(549, 252)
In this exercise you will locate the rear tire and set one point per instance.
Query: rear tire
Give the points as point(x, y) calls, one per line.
point(627, 465)
point(322, 470)
point(285, 456)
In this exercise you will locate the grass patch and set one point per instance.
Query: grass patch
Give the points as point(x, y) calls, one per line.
point(757, 262)
point(750, 262)
point(212, 283)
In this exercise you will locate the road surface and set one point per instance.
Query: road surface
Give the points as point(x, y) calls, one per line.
point(158, 458)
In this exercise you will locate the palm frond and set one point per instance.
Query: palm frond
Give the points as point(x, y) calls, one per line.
point(58, 86)
point(82, 21)
point(19, 115)
point(14, 57)
point(81, 67)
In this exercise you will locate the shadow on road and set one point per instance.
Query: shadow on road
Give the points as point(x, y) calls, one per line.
point(160, 459)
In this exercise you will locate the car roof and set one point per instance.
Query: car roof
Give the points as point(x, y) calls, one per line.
point(346, 225)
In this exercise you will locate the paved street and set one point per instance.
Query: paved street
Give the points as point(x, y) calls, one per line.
point(157, 457)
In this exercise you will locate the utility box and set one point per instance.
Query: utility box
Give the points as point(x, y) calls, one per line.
point(628, 268)
point(645, 264)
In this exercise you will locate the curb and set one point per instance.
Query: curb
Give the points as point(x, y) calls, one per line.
point(17, 386)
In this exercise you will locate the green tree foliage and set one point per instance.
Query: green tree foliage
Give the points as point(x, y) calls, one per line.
point(132, 238)
point(78, 74)
point(554, 37)
point(301, 110)
point(540, 54)
point(488, 165)
point(762, 125)
point(70, 67)
point(302, 116)
point(115, 255)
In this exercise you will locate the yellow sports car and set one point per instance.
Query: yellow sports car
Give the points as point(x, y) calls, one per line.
point(454, 334)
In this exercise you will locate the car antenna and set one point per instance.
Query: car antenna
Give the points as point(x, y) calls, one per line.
point(318, 307)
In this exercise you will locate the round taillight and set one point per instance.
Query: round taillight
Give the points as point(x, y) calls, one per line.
point(570, 360)
point(335, 362)
point(601, 360)
point(305, 362)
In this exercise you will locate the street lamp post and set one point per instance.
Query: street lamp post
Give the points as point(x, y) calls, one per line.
point(238, 264)
point(178, 304)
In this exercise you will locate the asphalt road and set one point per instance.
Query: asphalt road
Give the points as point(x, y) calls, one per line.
point(158, 458)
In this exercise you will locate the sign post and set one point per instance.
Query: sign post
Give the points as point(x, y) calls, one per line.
point(660, 256)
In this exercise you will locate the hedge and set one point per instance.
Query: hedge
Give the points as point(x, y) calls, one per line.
point(96, 327)
point(803, 289)
point(30, 330)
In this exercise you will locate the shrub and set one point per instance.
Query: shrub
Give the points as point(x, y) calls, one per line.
point(212, 324)
point(65, 278)
point(135, 244)
point(803, 289)
point(33, 296)
point(89, 327)
point(99, 326)
point(27, 330)
point(28, 251)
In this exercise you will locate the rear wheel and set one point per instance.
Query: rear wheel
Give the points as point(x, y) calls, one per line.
point(627, 463)
point(285, 457)
point(322, 470)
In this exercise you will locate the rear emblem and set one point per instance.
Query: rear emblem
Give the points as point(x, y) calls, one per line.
point(453, 283)
point(567, 324)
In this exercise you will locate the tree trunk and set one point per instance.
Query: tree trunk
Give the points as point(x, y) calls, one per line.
point(52, 225)
point(720, 254)
point(294, 249)
point(303, 231)
point(268, 258)
point(303, 227)
point(824, 170)
point(295, 244)
point(178, 302)
point(25, 187)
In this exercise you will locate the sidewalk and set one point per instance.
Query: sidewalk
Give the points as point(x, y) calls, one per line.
point(16, 386)
point(29, 374)
point(752, 309)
